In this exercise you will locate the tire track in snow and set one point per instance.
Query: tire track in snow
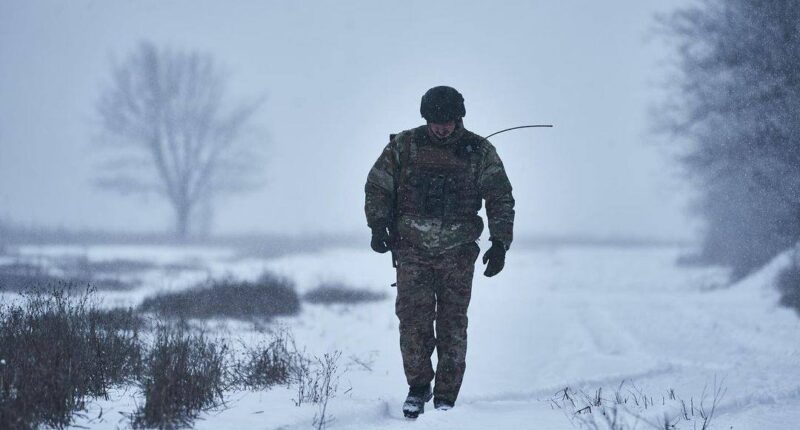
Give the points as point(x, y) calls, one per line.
point(736, 404)
point(539, 394)
point(610, 337)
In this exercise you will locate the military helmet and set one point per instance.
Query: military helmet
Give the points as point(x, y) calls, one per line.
point(442, 104)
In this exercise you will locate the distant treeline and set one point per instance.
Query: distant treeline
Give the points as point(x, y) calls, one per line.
point(736, 101)
point(266, 244)
point(255, 243)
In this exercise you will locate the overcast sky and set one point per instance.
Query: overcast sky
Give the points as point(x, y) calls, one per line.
point(338, 77)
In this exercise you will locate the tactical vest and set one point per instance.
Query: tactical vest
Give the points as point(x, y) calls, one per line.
point(439, 181)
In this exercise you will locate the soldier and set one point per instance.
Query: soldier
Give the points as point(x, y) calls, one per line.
point(422, 200)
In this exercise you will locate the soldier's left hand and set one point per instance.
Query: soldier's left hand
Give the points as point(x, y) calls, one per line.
point(380, 240)
point(496, 259)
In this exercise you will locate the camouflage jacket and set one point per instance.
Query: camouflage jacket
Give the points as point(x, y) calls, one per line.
point(429, 191)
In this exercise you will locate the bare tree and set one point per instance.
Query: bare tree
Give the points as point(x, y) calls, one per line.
point(164, 114)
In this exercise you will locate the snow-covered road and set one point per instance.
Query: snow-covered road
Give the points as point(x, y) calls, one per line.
point(579, 317)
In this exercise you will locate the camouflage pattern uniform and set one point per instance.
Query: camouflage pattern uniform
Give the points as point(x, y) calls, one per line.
point(428, 191)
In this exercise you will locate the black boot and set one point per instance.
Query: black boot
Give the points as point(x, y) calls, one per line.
point(442, 404)
point(415, 402)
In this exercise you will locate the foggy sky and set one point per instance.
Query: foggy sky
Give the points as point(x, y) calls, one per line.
point(338, 77)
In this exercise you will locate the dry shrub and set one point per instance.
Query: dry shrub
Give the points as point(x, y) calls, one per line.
point(57, 349)
point(267, 297)
point(338, 293)
point(271, 363)
point(183, 376)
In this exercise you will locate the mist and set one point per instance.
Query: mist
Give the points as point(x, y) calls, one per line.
point(337, 78)
point(204, 221)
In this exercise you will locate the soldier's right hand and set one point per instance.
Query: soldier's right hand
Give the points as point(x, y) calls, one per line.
point(380, 240)
point(496, 257)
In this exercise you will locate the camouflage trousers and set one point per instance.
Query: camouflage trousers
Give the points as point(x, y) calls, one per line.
point(435, 289)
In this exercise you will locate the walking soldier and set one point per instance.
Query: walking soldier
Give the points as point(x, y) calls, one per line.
point(423, 195)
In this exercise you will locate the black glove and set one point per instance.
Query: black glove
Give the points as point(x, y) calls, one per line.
point(380, 240)
point(496, 257)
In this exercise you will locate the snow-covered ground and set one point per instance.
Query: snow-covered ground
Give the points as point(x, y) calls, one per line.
point(579, 317)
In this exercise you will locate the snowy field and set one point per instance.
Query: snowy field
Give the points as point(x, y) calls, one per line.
point(579, 317)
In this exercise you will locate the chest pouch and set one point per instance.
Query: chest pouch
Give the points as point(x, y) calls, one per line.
point(439, 191)
point(438, 182)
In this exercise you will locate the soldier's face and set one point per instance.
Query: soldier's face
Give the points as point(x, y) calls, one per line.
point(442, 130)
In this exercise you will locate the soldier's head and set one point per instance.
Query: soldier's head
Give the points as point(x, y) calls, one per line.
point(442, 107)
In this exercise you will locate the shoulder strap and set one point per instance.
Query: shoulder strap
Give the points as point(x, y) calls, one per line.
point(406, 146)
